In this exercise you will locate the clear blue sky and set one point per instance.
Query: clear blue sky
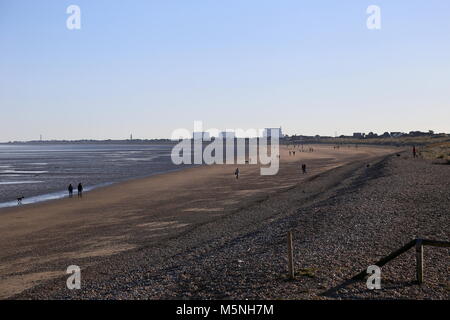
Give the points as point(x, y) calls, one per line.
point(149, 67)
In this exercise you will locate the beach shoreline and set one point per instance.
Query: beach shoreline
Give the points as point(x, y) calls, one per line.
point(39, 241)
point(63, 194)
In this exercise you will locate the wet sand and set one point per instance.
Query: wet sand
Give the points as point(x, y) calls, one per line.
point(38, 242)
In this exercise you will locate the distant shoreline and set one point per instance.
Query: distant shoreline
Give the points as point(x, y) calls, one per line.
point(112, 142)
point(375, 140)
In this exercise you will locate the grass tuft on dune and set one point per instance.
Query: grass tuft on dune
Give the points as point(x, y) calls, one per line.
point(438, 151)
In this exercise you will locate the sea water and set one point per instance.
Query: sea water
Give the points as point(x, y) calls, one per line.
point(43, 172)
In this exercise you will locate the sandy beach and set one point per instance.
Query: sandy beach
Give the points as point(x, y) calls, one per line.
point(217, 158)
point(136, 232)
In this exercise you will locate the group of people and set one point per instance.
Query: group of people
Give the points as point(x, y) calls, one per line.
point(300, 147)
point(69, 188)
point(236, 172)
point(80, 190)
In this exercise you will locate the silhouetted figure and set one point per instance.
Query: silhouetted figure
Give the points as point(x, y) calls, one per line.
point(236, 173)
point(414, 151)
point(80, 190)
point(19, 200)
point(70, 188)
point(304, 168)
point(293, 152)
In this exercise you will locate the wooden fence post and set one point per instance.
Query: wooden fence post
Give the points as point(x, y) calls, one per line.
point(419, 261)
point(290, 257)
point(419, 244)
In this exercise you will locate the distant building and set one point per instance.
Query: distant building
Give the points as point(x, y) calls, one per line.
point(396, 134)
point(418, 134)
point(272, 132)
point(227, 135)
point(358, 135)
point(201, 135)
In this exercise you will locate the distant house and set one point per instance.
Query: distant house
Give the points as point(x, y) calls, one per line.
point(396, 134)
point(358, 135)
point(418, 134)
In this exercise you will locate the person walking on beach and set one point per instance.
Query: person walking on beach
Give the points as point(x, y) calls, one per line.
point(70, 188)
point(414, 152)
point(80, 190)
point(304, 168)
point(236, 173)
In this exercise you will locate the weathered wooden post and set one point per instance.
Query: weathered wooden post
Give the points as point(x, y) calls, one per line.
point(290, 257)
point(419, 261)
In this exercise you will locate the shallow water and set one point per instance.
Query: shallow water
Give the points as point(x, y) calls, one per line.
point(43, 172)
